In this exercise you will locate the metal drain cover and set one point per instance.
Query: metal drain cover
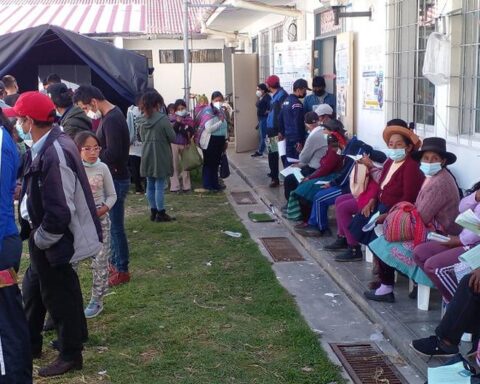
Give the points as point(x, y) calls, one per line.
point(243, 198)
point(366, 364)
point(281, 249)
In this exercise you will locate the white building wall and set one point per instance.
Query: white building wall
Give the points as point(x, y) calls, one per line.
point(168, 78)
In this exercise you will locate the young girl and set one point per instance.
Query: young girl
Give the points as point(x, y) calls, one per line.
point(103, 191)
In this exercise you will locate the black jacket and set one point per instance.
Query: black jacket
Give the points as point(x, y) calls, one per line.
point(74, 120)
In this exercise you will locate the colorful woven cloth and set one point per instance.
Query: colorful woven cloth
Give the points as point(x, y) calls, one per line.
point(8, 277)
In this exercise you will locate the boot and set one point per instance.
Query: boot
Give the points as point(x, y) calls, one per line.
point(60, 367)
point(340, 243)
point(153, 214)
point(352, 254)
point(163, 217)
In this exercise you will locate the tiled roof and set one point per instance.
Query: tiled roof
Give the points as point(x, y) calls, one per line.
point(151, 17)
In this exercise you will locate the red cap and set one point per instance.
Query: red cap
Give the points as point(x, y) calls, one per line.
point(272, 81)
point(33, 104)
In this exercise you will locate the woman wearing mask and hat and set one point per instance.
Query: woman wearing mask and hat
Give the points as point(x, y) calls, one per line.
point(263, 107)
point(437, 206)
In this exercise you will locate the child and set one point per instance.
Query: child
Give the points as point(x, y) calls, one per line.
point(103, 191)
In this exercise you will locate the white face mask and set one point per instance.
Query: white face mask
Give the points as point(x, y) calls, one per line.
point(181, 113)
point(94, 115)
point(218, 104)
point(258, 93)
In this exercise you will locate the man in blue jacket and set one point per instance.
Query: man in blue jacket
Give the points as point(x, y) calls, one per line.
point(319, 96)
point(292, 120)
point(58, 214)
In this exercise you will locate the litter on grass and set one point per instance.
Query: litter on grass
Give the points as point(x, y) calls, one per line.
point(232, 234)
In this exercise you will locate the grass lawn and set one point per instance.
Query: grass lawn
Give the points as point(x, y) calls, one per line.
point(201, 308)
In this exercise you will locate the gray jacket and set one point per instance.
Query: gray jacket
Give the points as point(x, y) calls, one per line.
point(314, 149)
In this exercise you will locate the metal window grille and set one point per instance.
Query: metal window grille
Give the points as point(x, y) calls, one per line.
point(264, 58)
point(175, 56)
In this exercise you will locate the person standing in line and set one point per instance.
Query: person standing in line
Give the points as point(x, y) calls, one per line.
point(136, 145)
point(292, 125)
point(319, 96)
point(157, 134)
point(103, 190)
point(115, 142)
point(11, 87)
point(59, 218)
point(263, 107)
point(273, 126)
point(15, 353)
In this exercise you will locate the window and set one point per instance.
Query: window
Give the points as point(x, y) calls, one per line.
point(264, 58)
point(277, 37)
point(175, 56)
point(148, 54)
point(255, 45)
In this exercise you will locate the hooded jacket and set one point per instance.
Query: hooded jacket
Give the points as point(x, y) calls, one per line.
point(74, 120)
point(60, 203)
point(157, 134)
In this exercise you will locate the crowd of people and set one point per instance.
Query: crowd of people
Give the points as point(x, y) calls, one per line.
point(390, 201)
point(69, 158)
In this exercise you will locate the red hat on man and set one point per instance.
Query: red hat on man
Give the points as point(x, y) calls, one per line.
point(273, 81)
point(33, 104)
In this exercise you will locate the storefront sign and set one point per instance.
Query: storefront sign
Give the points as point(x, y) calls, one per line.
point(327, 23)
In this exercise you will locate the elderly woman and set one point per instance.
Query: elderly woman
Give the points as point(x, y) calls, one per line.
point(437, 206)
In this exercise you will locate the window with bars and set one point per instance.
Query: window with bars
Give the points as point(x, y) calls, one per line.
point(175, 56)
point(255, 45)
point(264, 58)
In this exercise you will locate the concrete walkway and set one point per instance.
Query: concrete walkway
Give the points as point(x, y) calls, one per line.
point(349, 316)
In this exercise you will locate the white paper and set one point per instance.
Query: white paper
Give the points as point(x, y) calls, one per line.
point(293, 171)
point(282, 148)
point(292, 160)
point(321, 182)
point(449, 374)
point(371, 223)
point(437, 237)
point(355, 157)
point(469, 220)
point(471, 257)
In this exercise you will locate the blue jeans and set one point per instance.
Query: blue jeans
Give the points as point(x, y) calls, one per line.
point(262, 133)
point(117, 231)
point(155, 193)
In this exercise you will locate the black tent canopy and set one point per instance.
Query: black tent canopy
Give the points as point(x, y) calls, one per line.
point(119, 73)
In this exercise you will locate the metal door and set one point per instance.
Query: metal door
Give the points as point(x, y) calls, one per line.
point(245, 77)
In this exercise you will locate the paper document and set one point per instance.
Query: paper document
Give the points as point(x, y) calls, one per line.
point(469, 220)
point(471, 257)
point(371, 223)
point(449, 374)
point(321, 182)
point(292, 160)
point(355, 157)
point(293, 171)
point(282, 148)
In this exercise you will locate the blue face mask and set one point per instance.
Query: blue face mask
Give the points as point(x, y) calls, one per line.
point(90, 165)
point(24, 136)
point(430, 169)
point(396, 154)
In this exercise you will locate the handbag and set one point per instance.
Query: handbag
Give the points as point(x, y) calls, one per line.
point(358, 179)
point(190, 158)
point(403, 223)
point(224, 166)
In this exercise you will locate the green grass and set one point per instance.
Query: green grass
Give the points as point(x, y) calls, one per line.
point(201, 308)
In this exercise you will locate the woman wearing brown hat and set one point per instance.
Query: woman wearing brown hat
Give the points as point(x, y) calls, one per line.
point(437, 206)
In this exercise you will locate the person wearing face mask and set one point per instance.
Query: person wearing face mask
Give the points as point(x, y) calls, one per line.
point(437, 207)
point(292, 126)
point(115, 142)
point(72, 119)
point(59, 219)
point(319, 96)
point(263, 107)
point(183, 126)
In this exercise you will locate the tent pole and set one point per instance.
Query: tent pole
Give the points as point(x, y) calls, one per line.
point(186, 58)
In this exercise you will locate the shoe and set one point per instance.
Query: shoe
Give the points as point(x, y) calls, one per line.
point(274, 184)
point(153, 214)
point(387, 298)
point(187, 191)
point(163, 217)
point(94, 308)
point(307, 230)
point(473, 351)
point(337, 245)
point(49, 324)
point(60, 367)
point(118, 278)
point(433, 346)
point(414, 292)
point(352, 254)
point(256, 154)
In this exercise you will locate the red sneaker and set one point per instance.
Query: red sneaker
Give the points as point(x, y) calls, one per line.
point(118, 278)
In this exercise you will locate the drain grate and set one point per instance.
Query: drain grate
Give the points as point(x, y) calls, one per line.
point(281, 249)
point(366, 364)
point(243, 198)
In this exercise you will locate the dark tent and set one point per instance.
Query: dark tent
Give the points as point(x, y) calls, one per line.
point(119, 73)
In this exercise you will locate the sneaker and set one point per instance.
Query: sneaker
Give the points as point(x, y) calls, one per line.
point(94, 308)
point(337, 245)
point(118, 278)
point(433, 346)
point(352, 254)
point(257, 154)
point(387, 298)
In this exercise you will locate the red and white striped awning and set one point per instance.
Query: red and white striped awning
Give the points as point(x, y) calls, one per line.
point(91, 19)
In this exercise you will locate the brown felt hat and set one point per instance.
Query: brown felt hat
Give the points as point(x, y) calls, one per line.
point(405, 132)
point(437, 145)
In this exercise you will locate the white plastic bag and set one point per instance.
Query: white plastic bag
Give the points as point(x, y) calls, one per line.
point(436, 66)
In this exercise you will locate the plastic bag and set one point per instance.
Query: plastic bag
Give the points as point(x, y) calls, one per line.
point(190, 158)
point(436, 66)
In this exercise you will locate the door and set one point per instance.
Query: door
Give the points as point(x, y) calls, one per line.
point(245, 77)
point(324, 61)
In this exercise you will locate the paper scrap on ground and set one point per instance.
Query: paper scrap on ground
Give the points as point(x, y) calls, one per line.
point(282, 148)
point(371, 223)
point(293, 171)
point(449, 374)
point(472, 257)
point(232, 234)
point(321, 182)
point(355, 157)
point(331, 294)
point(292, 160)
point(469, 220)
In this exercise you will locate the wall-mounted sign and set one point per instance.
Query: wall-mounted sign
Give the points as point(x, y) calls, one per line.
point(293, 61)
point(372, 78)
point(327, 23)
point(344, 77)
